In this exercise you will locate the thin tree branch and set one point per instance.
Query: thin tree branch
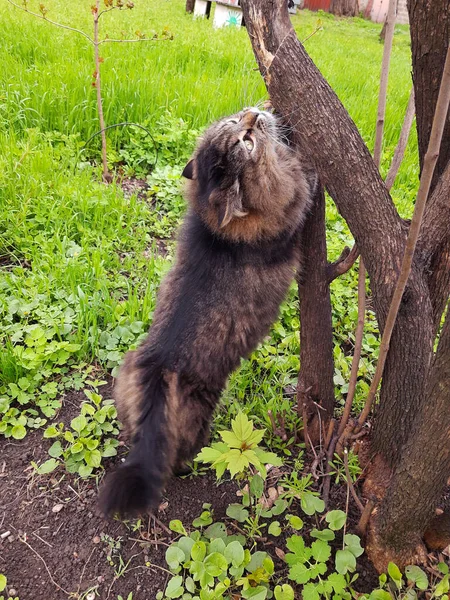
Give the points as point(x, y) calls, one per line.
point(343, 264)
point(106, 175)
point(389, 34)
point(358, 502)
point(44, 18)
point(358, 347)
point(114, 41)
point(382, 95)
point(425, 182)
point(402, 141)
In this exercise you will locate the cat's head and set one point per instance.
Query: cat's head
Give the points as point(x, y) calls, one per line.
point(239, 163)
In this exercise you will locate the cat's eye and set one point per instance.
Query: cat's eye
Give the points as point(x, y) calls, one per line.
point(235, 121)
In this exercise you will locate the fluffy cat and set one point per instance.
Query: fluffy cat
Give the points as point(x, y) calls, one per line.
point(237, 252)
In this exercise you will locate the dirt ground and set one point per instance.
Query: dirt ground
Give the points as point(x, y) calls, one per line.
point(59, 546)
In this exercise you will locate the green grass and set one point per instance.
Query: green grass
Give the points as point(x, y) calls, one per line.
point(79, 261)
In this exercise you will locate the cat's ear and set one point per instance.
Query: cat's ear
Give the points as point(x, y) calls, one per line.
point(230, 206)
point(189, 170)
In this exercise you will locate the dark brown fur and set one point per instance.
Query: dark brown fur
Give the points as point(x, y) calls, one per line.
point(236, 257)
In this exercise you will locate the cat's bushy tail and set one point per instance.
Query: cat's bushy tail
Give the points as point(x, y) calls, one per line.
point(136, 486)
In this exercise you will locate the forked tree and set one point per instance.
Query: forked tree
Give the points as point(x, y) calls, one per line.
point(410, 443)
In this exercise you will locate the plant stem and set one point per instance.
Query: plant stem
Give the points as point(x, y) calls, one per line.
point(402, 141)
point(105, 175)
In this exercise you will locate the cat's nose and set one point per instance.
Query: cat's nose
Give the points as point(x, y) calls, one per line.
point(250, 118)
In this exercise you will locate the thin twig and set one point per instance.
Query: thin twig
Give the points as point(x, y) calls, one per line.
point(343, 264)
point(413, 234)
point(361, 528)
point(161, 524)
point(47, 20)
point(24, 541)
point(351, 487)
point(402, 141)
point(382, 94)
point(358, 348)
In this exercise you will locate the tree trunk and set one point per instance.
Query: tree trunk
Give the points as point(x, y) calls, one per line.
point(344, 8)
point(190, 6)
point(315, 390)
point(324, 131)
point(430, 33)
point(409, 503)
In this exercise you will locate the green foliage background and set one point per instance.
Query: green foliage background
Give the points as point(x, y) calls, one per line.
point(80, 262)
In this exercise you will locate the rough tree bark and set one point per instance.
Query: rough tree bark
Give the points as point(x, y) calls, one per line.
point(344, 8)
point(430, 31)
point(408, 506)
point(430, 21)
point(430, 34)
point(325, 132)
point(315, 390)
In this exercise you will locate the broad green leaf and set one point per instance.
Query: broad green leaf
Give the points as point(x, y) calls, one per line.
point(300, 573)
point(203, 520)
point(174, 588)
point(309, 592)
point(18, 432)
point(237, 512)
point(234, 553)
point(336, 519)
point(208, 455)
point(268, 458)
point(311, 504)
point(198, 551)
point(256, 561)
point(93, 458)
point(216, 530)
point(300, 554)
point(345, 561)
point(274, 528)
point(417, 576)
point(320, 551)
point(217, 545)
point(255, 593)
point(75, 448)
point(55, 449)
point(380, 595)
point(109, 451)
point(185, 544)
point(353, 543)
point(51, 432)
point(189, 584)
point(279, 507)
point(47, 467)
point(338, 582)
point(215, 564)
point(295, 522)
point(242, 426)
point(3, 582)
point(78, 423)
point(395, 574)
point(284, 592)
point(326, 534)
point(84, 470)
point(177, 526)
point(442, 587)
point(174, 557)
point(256, 486)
